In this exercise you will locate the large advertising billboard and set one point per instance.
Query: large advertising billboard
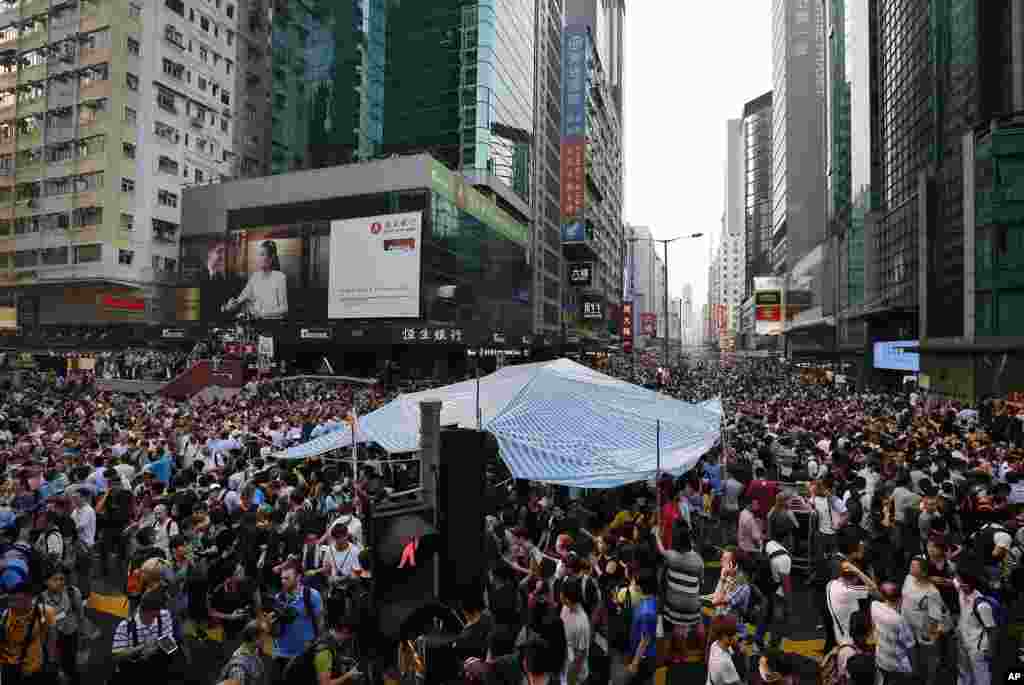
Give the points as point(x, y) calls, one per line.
point(375, 267)
point(895, 356)
point(768, 293)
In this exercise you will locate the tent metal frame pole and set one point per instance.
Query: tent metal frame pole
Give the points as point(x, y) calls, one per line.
point(355, 453)
point(657, 477)
point(479, 419)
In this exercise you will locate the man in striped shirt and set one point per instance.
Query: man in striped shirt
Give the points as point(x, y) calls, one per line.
point(684, 576)
point(152, 622)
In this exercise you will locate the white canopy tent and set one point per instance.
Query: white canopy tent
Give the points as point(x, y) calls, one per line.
point(555, 422)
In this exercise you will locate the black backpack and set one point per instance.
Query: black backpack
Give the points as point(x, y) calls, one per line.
point(301, 669)
point(983, 542)
point(855, 509)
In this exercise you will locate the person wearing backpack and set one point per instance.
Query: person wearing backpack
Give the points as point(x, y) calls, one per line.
point(990, 546)
point(67, 602)
point(136, 650)
point(245, 667)
point(775, 582)
point(331, 659)
point(296, 617)
point(981, 618)
point(28, 641)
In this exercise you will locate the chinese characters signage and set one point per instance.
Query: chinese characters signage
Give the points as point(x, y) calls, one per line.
point(466, 198)
point(432, 334)
point(580, 274)
point(649, 324)
point(574, 232)
point(575, 44)
point(572, 178)
point(575, 48)
point(627, 326)
point(593, 308)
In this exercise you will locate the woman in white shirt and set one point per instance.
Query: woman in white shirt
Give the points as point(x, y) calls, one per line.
point(267, 290)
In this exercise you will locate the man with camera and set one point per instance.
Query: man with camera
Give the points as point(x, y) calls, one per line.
point(295, 618)
point(144, 643)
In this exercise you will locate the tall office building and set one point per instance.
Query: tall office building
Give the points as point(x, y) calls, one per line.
point(326, 78)
point(107, 110)
point(734, 177)
point(547, 155)
point(715, 316)
point(852, 159)
point(592, 162)
point(474, 84)
point(757, 189)
point(647, 280)
point(971, 227)
point(689, 323)
point(798, 85)
point(732, 267)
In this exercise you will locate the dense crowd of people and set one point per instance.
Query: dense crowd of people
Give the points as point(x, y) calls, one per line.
point(895, 513)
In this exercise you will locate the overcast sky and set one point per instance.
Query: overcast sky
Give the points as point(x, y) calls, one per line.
point(686, 73)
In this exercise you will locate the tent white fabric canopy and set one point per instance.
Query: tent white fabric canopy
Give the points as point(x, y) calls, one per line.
point(555, 422)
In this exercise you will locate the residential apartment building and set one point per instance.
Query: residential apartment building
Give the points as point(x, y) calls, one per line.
point(732, 270)
point(108, 108)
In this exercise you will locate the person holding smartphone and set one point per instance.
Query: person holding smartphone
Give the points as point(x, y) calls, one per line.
point(143, 643)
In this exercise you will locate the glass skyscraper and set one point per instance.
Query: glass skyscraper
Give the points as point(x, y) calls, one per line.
point(460, 81)
point(328, 82)
point(757, 152)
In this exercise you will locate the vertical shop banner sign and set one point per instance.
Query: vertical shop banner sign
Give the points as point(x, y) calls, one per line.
point(627, 323)
point(572, 178)
point(575, 41)
point(649, 324)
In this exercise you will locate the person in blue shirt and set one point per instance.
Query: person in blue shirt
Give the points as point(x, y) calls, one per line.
point(296, 635)
point(713, 474)
point(161, 469)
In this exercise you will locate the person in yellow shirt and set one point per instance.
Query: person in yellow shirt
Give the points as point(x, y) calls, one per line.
point(29, 639)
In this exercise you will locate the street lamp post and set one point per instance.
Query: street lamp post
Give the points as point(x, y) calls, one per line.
point(665, 249)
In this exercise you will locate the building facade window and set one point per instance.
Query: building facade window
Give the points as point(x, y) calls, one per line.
point(88, 254)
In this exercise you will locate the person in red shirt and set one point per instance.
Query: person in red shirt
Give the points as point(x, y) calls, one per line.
point(762, 490)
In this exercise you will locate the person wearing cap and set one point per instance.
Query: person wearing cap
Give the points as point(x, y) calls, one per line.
point(342, 558)
point(894, 638)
